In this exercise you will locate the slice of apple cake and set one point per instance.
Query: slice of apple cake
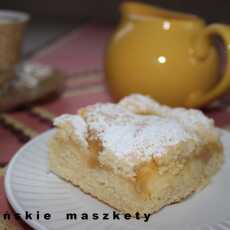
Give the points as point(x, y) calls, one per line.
point(136, 155)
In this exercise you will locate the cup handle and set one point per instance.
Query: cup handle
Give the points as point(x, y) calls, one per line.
point(197, 99)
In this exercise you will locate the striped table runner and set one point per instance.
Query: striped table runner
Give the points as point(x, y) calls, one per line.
point(80, 55)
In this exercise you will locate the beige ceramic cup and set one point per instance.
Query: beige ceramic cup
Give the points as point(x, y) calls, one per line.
point(12, 25)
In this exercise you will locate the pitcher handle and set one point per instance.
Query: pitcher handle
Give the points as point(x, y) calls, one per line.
point(199, 98)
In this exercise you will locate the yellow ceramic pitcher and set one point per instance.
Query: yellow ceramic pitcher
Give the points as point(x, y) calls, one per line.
point(167, 55)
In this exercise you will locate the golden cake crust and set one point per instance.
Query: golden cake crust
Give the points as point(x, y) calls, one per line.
point(143, 154)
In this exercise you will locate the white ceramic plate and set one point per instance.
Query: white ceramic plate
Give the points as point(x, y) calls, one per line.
point(31, 187)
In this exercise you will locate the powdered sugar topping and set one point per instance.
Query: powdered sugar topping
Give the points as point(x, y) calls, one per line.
point(137, 103)
point(127, 134)
point(137, 129)
point(78, 124)
point(144, 138)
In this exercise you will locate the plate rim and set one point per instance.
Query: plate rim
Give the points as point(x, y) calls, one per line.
point(7, 178)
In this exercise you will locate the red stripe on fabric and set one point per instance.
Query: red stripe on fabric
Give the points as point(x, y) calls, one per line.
point(9, 144)
point(74, 85)
point(84, 51)
point(221, 118)
point(30, 121)
point(72, 104)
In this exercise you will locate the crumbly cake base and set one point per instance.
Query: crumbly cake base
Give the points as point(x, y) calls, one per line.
point(67, 161)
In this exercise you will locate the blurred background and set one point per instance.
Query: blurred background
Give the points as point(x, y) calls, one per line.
point(106, 10)
point(53, 18)
point(71, 36)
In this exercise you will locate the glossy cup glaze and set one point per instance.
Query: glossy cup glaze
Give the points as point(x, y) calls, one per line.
point(167, 55)
point(12, 25)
